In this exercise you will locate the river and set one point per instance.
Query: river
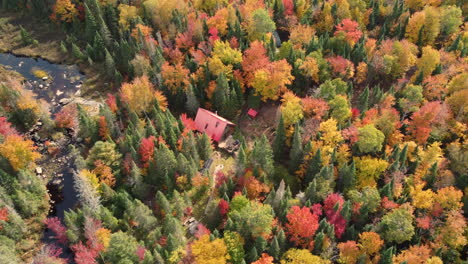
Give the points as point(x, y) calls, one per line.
point(63, 81)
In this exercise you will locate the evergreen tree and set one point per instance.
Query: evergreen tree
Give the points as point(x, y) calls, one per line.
point(364, 100)
point(279, 144)
point(204, 147)
point(109, 65)
point(221, 93)
point(77, 52)
point(90, 24)
point(315, 165)
point(296, 153)
point(274, 249)
point(252, 255)
point(241, 161)
point(260, 244)
point(346, 177)
point(387, 256)
point(262, 155)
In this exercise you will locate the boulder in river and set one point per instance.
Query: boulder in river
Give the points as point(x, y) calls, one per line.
point(65, 101)
point(58, 93)
point(45, 78)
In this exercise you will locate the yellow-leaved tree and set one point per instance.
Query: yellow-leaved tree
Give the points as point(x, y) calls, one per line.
point(369, 170)
point(140, 93)
point(209, 252)
point(19, 152)
point(301, 256)
point(291, 109)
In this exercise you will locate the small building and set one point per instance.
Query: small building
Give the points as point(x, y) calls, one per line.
point(212, 124)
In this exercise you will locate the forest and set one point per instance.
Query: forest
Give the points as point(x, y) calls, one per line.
point(348, 117)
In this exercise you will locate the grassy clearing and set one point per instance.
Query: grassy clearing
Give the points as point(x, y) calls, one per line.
point(6, 74)
point(48, 46)
point(49, 37)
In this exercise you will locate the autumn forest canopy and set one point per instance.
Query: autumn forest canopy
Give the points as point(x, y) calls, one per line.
point(357, 153)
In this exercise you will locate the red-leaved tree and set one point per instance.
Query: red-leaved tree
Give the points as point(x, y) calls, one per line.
point(301, 226)
point(332, 206)
point(146, 150)
point(350, 30)
point(58, 228)
point(5, 127)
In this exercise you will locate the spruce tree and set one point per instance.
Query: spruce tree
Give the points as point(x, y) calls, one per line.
point(387, 256)
point(252, 255)
point(296, 153)
point(364, 100)
point(77, 52)
point(262, 155)
point(260, 244)
point(241, 161)
point(274, 249)
point(90, 24)
point(109, 64)
point(346, 177)
point(221, 94)
point(204, 147)
point(315, 165)
point(279, 144)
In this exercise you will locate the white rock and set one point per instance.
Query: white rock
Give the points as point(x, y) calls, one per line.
point(65, 101)
point(58, 93)
point(45, 78)
point(41, 86)
point(38, 170)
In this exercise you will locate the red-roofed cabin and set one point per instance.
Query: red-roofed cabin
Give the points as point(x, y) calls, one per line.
point(212, 124)
point(252, 113)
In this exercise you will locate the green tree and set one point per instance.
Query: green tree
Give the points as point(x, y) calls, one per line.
point(262, 155)
point(105, 152)
point(451, 19)
point(259, 24)
point(370, 139)
point(122, 249)
point(279, 144)
point(204, 147)
point(330, 88)
point(297, 152)
point(252, 220)
point(339, 109)
point(397, 226)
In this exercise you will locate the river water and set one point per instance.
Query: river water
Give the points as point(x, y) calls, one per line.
point(63, 81)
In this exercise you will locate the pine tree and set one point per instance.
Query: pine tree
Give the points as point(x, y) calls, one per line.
point(260, 244)
point(262, 155)
point(279, 144)
point(364, 100)
point(99, 48)
point(252, 255)
point(315, 165)
point(221, 93)
point(109, 65)
point(241, 161)
point(296, 153)
point(90, 24)
point(454, 45)
point(274, 249)
point(77, 52)
point(346, 177)
point(281, 237)
point(204, 147)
